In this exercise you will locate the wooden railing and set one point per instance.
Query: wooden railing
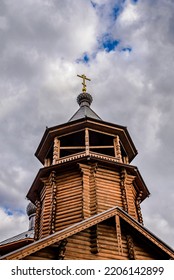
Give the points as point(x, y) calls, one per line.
point(83, 154)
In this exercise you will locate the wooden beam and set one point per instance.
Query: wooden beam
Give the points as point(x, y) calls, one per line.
point(117, 149)
point(56, 150)
point(118, 233)
point(99, 131)
point(131, 249)
point(72, 147)
point(87, 141)
point(83, 147)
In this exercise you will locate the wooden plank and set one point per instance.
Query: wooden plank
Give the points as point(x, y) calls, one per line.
point(72, 148)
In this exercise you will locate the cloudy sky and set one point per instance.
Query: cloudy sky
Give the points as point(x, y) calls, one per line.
point(126, 48)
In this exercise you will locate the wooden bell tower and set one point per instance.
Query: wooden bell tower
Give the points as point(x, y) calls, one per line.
point(88, 194)
point(86, 172)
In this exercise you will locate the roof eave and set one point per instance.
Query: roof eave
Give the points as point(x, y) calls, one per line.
point(50, 133)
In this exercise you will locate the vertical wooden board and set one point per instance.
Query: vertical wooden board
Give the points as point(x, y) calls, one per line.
point(107, 189)
point(45, 212)
point(131, 201)
point(88, 190)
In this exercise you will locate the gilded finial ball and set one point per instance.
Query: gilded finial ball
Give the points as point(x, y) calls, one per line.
point(31, 209)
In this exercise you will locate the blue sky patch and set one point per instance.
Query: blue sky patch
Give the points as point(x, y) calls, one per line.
point(8, 211)
point(11, 212)
point(108, 43)
point(84, 59)
point(126, 49)
point(115, 12)
point(93, 4)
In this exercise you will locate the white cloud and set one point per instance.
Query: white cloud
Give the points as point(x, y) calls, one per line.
point(130, 14)
point(12, 225)
point(38, 86)
point(158, 223)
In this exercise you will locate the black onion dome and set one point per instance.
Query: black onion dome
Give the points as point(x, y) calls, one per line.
point(84, 99)
point(31, 209)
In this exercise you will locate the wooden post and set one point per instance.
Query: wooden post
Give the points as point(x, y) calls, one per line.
point(130, 245)
point(47, 162)
point(56, 150)
point(117, 149)
point(87, 141)
point(138, 201)
point(53, 202)
point(123, 189)
point(118, 233)
point(37, 220)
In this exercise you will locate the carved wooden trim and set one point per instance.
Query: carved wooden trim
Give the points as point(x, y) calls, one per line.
point(84, 154)
point(117, 149)
point(123, 176)
point(137, 202)
point(104, 157)
point(62, 249)
point(72, 157)
point(56, 150)
point(87, 141)
point(130, 246)
point(52, 180)
point(37, 220)
point(118, 233)
point(93, 195)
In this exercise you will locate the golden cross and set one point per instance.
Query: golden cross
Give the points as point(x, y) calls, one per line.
point(84, 81)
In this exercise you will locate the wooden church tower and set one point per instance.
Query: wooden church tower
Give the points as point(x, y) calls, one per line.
point(88, 195)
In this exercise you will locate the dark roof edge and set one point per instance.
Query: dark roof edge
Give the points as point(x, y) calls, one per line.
point(146, 229)
point(80, 120)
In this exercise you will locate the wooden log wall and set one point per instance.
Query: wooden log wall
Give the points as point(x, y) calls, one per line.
point(139, 249)
point(104, 188)
point(61, 201)
point(68, 198)
point(144, 252)
point(90, 200)
point(82, 191)
point(79, 245)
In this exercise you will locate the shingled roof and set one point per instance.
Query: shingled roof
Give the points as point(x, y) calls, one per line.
point(84, 100)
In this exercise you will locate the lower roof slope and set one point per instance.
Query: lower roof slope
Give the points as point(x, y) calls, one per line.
point(87, 223)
